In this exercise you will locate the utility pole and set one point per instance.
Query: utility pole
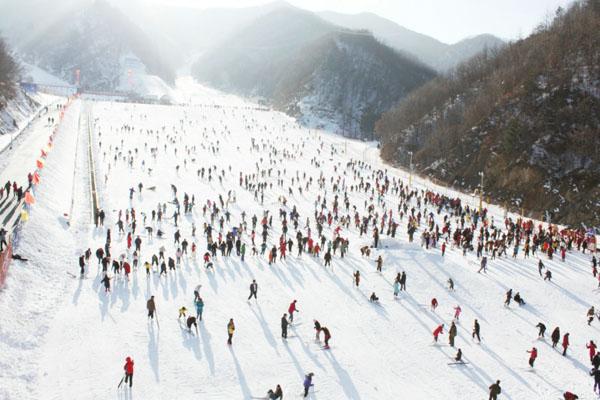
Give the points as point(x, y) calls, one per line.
point(410, 153)
point(481, 193)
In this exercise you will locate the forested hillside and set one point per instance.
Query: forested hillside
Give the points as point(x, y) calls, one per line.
point(527, 115)
point(313, 70)
point(76, 41)
point(9, 70)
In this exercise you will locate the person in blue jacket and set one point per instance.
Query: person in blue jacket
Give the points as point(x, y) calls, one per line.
point(308, 383)
point(199, 303)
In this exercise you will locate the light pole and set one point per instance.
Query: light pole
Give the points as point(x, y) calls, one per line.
point(481, 193)
point(410, 166)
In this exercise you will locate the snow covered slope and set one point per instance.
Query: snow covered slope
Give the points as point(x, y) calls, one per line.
point(62, 337)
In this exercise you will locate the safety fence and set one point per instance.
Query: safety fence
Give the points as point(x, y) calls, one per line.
point(16, 211)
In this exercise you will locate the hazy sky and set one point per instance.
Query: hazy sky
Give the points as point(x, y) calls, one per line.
point(446, 20)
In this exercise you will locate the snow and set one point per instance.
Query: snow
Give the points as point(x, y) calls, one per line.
point(40, 76)
point(22, 110)
point(62, 337)
point(27, 142)
point(135, 78)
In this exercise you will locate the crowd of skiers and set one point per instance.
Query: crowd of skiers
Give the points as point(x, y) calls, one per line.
point(275, 235)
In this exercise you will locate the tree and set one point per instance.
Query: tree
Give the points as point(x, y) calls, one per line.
point(9, 71)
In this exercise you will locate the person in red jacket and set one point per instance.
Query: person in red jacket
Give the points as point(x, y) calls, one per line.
point(434, 304)
point(570, 396)
point(438, 331)
point(291, 309)
point(128, 371)
point(565, 343)
point(532, 357)
point(592, 347)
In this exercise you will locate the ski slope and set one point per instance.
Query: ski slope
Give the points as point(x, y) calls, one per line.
point(62, 337)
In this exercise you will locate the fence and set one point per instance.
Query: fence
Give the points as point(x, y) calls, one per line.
point(20, 214)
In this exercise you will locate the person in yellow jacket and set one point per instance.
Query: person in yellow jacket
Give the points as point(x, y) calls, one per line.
point(147, 266)
point(182, 312)
point(230, 330)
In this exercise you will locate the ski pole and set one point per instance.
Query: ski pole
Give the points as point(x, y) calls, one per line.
point(121, 382)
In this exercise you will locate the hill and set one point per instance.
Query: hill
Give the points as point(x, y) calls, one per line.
point(80, 36)
point(526, 115)
point(437, 55)
point(9, 70)
point(311, 68)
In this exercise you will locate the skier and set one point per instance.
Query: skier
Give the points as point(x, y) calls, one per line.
point(151, 306)
point(199, 303)
point(542, 329)
point(450, 284)
point(592, 349)
point(495, 390)
point(357, 278)
point(327, 336)
point(191, 320)
point(438, 331)
point(403, 281)
point(458, 357)
point(284, 326)
point(182, 312)
point(508, 298)
point(570, 396)
point(82, 264)
point(379, 263)
point(457, 311)
point(317, 329)
point(396, 288)
point(519, 299)
point(476, 330)
point(434, 304)
point(373, 298)
point(128, 367)
point(596, 374)
point(308, 383)
point(596, 360)
point(230, 330)
point(555, 336)
point(591, 314)
point(533, 355)
point(291, 309)
point(565, 343)
point(483, 266)
point(548, 276)
point(452, 334)
point(275, 395)
point(253, 290)
point(197, 292)
point(106, 282)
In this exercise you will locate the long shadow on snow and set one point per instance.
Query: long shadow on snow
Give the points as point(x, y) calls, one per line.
point(207, 348)
point(265, 326)
point(343, 376)
point(241, 377)
point(294, 360)
point(77, 292)
point(190, 341)
point(153, 350)
point(213, 281)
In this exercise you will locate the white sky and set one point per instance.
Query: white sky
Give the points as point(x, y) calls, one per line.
point(446, 20)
